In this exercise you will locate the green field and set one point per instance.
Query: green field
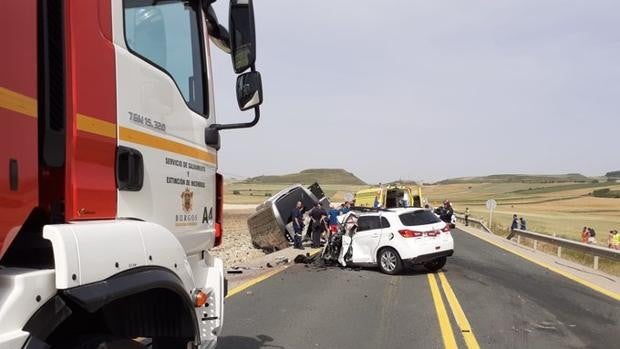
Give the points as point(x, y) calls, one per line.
point(560, 208)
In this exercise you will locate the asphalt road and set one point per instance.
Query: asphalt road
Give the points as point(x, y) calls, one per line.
point(504, 301)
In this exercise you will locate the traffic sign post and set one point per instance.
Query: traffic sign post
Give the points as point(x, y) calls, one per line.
point(491, 205)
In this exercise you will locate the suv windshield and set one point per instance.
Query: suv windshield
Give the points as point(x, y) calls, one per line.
point(420, 217)
point(167, 35)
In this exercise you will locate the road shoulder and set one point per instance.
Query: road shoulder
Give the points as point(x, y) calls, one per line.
point(259, 269)
point(594, 279)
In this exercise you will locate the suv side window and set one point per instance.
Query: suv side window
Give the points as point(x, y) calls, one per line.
point(167, 34)
point(384, 223)
point(368, 223)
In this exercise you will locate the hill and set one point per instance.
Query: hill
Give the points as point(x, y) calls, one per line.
point(405, 182)
point(613, 174)
point(520, 178)
point(320, 175)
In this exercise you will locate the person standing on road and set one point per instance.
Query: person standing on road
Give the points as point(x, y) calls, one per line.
point(467, 216)
point(318, 215)
point(333, 219)
point(513, 226)
point(522, 223)
point(298, 224)
point(447, 212)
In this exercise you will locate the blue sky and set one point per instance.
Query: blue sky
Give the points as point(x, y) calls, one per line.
point(428, 90)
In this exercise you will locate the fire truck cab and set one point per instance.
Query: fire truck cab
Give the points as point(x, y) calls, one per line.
point(110, 198)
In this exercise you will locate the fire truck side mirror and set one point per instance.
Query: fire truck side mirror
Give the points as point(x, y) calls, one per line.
point(242, 35)
point(249, 90)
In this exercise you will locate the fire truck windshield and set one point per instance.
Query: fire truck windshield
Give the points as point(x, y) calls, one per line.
point(168, 35)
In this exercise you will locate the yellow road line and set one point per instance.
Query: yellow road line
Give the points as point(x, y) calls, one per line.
point(96, 126)
point(149, 140)
point(442, 316)
point(260, 278)
point(253, 282)
point(569, 276)
point(459, 315)
point(18, 102)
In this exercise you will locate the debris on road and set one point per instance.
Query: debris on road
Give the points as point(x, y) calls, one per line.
point(301, 259)
point(281, 260)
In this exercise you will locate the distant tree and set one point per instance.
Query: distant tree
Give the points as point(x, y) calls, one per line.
point(594, 181)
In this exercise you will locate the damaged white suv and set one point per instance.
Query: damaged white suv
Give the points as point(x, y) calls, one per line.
point(395, 238)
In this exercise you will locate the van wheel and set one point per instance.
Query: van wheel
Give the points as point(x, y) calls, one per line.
point(389, 261)
point(436, 264)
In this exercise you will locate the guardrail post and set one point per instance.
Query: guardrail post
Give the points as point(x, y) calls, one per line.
point(535, 244)
point(559, 251)
point(518, 239)
point(595, 262)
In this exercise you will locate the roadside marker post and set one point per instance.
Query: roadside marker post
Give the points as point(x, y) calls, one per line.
point(491, 205)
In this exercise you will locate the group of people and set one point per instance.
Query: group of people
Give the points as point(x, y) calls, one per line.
point(321, 221)
point(518, 223)
point(588, 236)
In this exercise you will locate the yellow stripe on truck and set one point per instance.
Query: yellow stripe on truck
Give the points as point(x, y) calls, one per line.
point(18, 102)
point(139, 137)
point(96, 126)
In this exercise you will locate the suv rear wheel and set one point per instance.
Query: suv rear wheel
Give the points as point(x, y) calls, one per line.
point(389, 261)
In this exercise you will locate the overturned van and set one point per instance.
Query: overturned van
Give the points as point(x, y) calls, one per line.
point(270, 227)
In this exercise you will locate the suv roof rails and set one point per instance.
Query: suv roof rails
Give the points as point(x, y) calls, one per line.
point(369, 209)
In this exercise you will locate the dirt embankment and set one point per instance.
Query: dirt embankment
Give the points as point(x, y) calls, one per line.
point(237, 248)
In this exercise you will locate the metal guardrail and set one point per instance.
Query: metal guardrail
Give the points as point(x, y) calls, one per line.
point(593, 250)
point(473, 222)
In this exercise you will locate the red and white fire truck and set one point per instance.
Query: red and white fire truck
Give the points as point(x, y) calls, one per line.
point(109, 196)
